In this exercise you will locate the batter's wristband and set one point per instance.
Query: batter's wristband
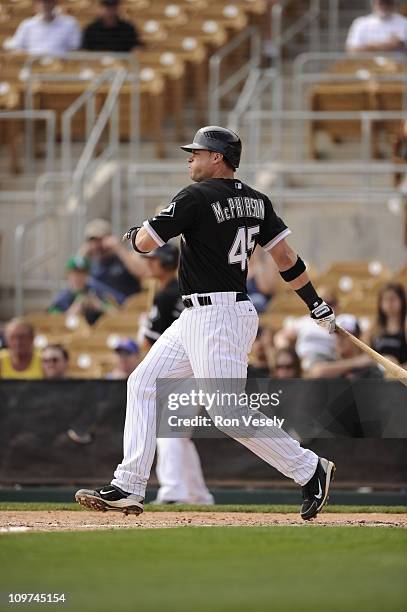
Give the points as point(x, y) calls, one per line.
point(132, 234)
point(294, 272)
point(308, 294)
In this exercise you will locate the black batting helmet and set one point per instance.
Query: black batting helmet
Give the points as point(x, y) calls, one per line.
point(219, 140)
point(167, 255)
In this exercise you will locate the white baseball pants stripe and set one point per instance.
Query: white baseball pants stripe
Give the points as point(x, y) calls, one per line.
point(204, 342)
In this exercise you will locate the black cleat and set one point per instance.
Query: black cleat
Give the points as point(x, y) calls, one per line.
point(315, 492)
point(110, 497)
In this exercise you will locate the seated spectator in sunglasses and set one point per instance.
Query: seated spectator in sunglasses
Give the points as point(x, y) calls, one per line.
point(287, 364)
point(55, 361)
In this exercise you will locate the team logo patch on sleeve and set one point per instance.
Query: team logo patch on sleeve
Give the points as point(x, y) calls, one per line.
point(168, 211)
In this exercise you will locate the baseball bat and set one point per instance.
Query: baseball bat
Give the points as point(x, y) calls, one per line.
point(394, 370)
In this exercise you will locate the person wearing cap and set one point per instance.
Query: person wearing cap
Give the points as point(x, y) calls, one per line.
point(113, 269)
point(383, 30)
point(127, 354)
point(220, 220)
point(351, 363)
point(109, 32)
point(167, 305)
point(49, 32)
point(80, 298)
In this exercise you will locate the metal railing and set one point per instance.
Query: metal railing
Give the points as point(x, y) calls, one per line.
point(217, 90)
point(252, 94)
point(280, 37)
point(22, 266)
point(364, 173)
point(37, 115)
point(86, 98)
point(159, 182)
point(257, 122)
point(132, 72)
point(109, 113)
point(74, 200)
point(335, 16)
point(319, 63)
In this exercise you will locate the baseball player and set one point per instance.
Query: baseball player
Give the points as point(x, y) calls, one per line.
point(178, 468)
point(220, 220)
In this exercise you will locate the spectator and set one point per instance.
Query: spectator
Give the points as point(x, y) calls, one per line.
point(389, 337)
point(49, 32)
point(127, 359)
point(20, 360)
point(312, 343)
point(114, 269)
point(350, 361)
point(287, 364)
point(382, 30)
point(167, 305)
point(109, 32)
point(81, 298)
point(55, 361)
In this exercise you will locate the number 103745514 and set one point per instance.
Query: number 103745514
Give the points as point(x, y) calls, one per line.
point(26, 598)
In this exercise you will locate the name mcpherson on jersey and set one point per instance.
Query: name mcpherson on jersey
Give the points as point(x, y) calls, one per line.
point(238, 207)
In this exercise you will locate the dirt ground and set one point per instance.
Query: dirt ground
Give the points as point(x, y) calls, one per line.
point(51, 520)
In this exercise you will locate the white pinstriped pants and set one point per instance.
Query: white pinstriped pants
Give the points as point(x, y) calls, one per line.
point(205, 342)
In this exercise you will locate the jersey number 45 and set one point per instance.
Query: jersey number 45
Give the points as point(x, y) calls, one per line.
point(243, 246)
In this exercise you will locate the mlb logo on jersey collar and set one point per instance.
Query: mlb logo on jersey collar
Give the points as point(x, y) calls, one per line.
point(238, 185)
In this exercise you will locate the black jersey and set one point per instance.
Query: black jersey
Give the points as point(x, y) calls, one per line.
point(221, 221)
point(167, 307)
point(392, 344)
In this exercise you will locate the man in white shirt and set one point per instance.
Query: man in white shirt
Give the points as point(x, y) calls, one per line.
point(312, 346)
point(382, 30)
point(48, 33)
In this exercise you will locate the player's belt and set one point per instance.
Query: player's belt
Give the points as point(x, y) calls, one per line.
point(205, 300)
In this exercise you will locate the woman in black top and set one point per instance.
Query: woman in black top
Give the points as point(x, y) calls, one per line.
point(389, 337)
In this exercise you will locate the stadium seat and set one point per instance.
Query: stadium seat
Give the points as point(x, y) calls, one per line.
point(57, 323)
point(282, 306)
point(365, 94)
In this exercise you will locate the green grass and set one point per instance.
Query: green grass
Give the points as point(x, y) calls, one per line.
point(283, 509)
point(283, 569)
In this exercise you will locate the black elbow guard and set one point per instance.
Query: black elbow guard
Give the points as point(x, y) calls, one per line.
point(294, 272)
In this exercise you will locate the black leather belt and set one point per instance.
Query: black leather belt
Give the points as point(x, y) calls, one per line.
point(205, 300)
